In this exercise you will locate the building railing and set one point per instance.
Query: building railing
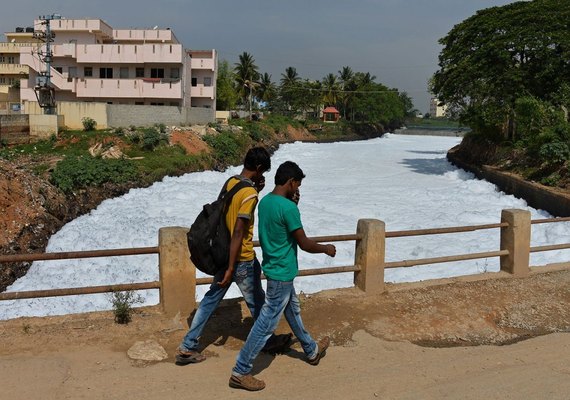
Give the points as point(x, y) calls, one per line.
point(177, 282)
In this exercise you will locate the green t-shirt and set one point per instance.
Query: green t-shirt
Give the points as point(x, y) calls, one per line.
point(279, 217)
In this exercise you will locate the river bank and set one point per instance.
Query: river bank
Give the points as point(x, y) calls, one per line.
point(33, 209)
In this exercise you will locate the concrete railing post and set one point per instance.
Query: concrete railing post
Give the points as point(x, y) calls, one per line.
point(370, 256)
point(516, 239)
point(177, 273)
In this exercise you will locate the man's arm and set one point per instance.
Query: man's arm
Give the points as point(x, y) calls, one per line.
point(235, 247)
point(310, 246)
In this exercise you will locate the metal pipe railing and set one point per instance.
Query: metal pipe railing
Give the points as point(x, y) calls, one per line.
point(437, 260)
point(75, 291)
point(303, 272)
point(78, 254)
point(437, 231)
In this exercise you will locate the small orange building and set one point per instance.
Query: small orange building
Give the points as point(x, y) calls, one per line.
point(331, 114)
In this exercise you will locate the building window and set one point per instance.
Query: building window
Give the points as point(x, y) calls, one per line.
point(124, 73)
point(59, 69)
point(194, 82)
point(175, 73)
point(139, 103)
point(88, 72)
point(157, 72)
point(2, 81)
point(207, 81)
point(2, 59)
point(105, 73)
point(11, 60)
point(139, 73)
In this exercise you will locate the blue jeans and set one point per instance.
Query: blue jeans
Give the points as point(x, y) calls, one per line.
point(247, 275)
point(280, 297)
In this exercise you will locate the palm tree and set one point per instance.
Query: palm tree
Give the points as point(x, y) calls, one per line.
point(246, 75)
point(289, 83)
point(290, 77)
point(346, 76)
point(267, 89)
point(330, 90)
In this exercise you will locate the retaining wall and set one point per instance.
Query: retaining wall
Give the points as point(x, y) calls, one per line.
point(536, 195)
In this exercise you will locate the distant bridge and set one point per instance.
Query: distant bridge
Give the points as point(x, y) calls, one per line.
point(433, 131)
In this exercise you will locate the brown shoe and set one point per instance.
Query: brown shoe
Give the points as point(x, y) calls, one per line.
point(323, 346)
point(246, 382)
point(188, 357)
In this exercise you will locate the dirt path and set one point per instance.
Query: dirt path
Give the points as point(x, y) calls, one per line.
point(415, 341)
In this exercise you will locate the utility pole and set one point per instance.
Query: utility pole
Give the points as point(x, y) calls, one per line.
point(44, 90)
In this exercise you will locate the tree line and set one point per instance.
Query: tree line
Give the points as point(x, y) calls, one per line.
point(356, 95)
point(505, 72)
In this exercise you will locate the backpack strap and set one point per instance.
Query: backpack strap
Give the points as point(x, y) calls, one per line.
point(225, 187)
point(228, 195)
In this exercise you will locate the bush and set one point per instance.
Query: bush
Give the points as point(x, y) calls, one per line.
point(258, 132)
point(123, 305)
point(89, 124)
point(554, 152)
point(227, 146)
point(161, 127)
point(79, 172)
point(152, 138)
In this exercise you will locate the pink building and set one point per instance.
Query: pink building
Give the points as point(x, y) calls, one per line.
point(93, 62)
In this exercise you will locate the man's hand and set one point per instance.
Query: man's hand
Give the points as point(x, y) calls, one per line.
point(296, 197)
point(260, 184)
point(227, 278)
point(330, 250)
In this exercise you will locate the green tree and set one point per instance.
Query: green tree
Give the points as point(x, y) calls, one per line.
point(346, 78)
point(226, 94)
point(499, 55)
point(246, 78)
point(289, 89)
point(330, 90)
point(267, 90)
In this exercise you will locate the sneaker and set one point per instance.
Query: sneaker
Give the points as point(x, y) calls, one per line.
point(184, 357)
point(322, 347)
point(246, 382)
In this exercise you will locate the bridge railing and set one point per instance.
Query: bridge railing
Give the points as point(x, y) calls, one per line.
point(177, 275)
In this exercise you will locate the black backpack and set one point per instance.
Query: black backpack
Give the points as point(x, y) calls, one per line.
point(209, 237)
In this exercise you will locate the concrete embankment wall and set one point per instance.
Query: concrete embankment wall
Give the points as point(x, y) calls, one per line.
point(536, 195)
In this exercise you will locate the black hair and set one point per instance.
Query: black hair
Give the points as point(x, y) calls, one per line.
point(286, 171)
point(257, 156)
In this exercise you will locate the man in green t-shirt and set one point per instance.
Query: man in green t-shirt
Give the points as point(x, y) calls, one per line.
point(280, 232)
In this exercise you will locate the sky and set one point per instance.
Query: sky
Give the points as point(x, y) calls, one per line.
point(394, 40)
point(402, 180)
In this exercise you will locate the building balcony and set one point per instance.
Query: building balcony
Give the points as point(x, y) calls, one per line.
point(13, 48)
point(203, 63)
point(95, 26)
point(122, 53)
point(144, 36)
point(128, 88)
point(202, 91)
point(14, 69)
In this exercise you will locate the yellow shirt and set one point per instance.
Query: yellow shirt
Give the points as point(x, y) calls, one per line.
point(243, 206)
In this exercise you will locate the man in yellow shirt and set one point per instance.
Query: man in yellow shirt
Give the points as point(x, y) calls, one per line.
point(243, 267)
